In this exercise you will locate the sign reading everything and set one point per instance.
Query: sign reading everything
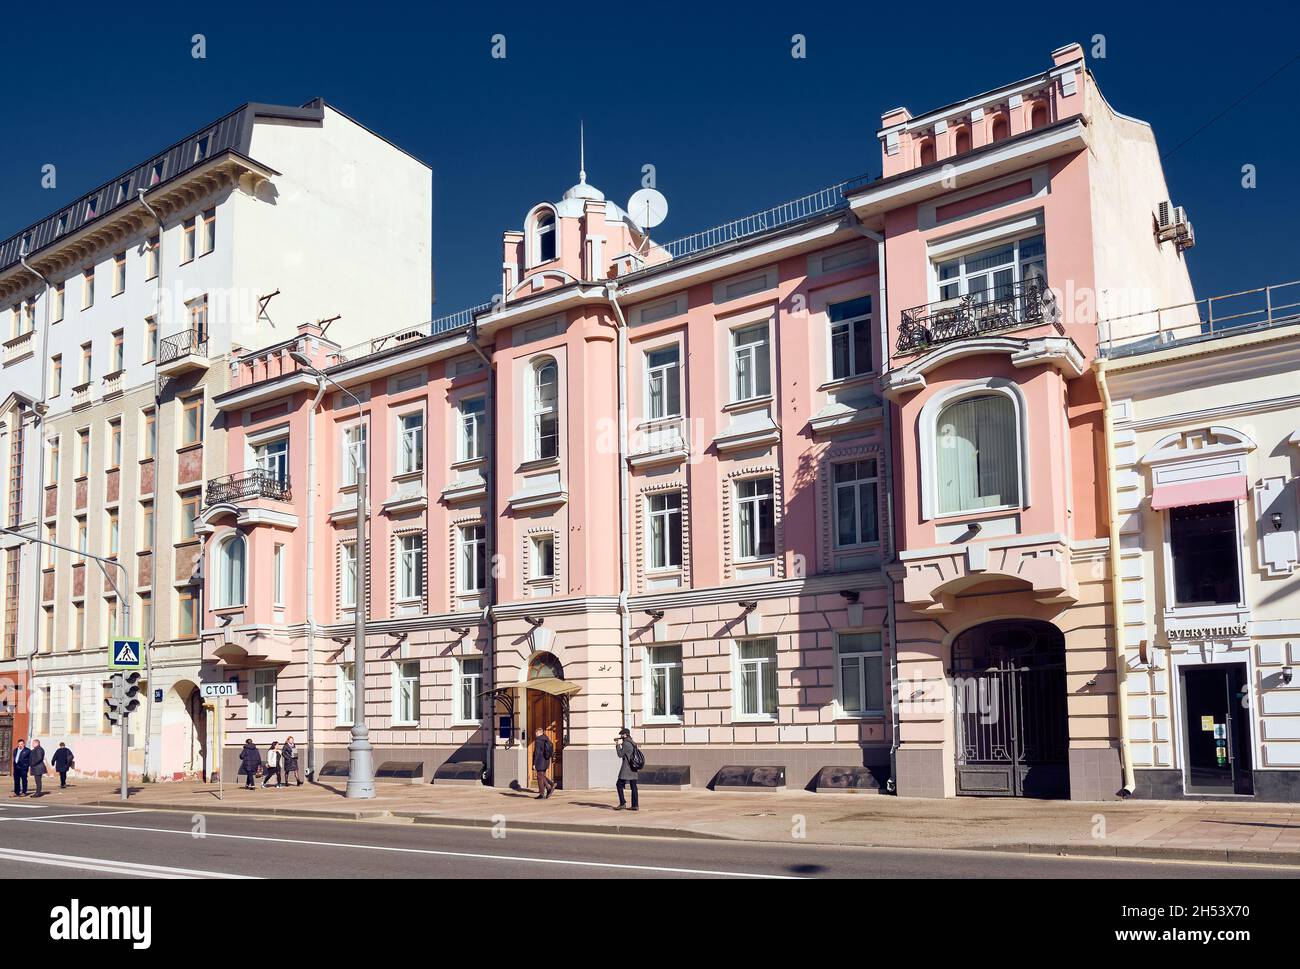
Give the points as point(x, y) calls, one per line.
point(125, 654)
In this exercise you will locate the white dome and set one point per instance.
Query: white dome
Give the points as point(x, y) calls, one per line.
point(584, 191)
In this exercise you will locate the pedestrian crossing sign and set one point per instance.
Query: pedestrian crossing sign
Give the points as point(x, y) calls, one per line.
point(125, 654)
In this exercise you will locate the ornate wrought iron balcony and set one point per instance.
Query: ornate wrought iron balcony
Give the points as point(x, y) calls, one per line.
point(1025, 303)
point(254, 483)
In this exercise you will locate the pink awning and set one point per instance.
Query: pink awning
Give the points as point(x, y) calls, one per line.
point(1232, 488)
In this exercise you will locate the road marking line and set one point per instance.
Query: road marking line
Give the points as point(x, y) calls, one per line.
point(84, 814)
point(107, 865)
point(422, 851)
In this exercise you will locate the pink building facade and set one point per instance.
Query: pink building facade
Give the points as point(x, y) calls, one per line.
point(817, 504)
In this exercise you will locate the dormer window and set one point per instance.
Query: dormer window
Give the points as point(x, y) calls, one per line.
point(543, 237)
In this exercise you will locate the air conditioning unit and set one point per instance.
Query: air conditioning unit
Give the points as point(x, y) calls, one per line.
point(1172, 225)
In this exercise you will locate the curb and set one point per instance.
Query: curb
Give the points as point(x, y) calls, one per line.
point(219, 808)
point(1237, 856)
point(566, 827)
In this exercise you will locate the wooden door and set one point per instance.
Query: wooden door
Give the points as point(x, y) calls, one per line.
point(545, 711)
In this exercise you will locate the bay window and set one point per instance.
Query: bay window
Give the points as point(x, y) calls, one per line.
point(977, 445)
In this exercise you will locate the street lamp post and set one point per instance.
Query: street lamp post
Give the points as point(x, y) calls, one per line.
point(361, 773)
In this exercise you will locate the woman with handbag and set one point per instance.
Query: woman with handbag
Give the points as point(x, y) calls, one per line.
point(250, 759)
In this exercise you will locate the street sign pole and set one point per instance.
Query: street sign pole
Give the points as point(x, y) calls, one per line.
point(125, 736)
point(217, 693)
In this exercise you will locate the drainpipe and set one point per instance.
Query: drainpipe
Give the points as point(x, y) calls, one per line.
point(311, 579)
point(490, 524)
point(1116, 586)
point(157, 418)
point(624, 559)
point(38, 426)
point(891, 556)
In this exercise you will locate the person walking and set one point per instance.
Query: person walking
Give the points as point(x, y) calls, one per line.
point(62, 763)
point(38, 768)
point(543, 751)
point(292, 765)
point(21, 763)
point(272, 766)
point(250, 759)
point(631, 760)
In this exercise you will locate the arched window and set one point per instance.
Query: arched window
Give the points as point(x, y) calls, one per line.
point(927, 152)
point(545, 405)
point(977, 444)
point(961, 141)
point(231, 571)
point(1000, 128)
point(543, 237)
point(1038, 116)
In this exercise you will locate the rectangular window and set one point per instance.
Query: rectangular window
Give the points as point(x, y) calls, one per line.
point(48, 645)
point(78, 625)
point(82, 539)
point(187, 613)
point(1204, 544)
point(850, 337)
point(150, 339)
point(277, 571)
point(992, 273)
point(473, 412)
point(410, 567)
point(856, 507)
point(191, 505)
point(51, 535)
point(187, 241)
point(198, 314)
point(354, 452)
point(83, 452)
point(544, 557)
point(88, 288)
point(473, 558)
point(273, 458)
point(261, 699)
point(756, 669)
point(192, 421)
point(665, 538)
point(208, 240)
point(406, 692)
point(56, 311)
point(145, 615)
point(119, 352)
point(469, 705)
point(751, 363)
point(114, 534)
point(663, 383)
point(54, 459)
point(119, 273)
point(151, 258)
point(111, 617)
point(861, 679)
point(665, 677)
point(56, 375)
point(344, 692)
point(147, 529)
point(348, 575)
point(756, 518)
point(410, 456)
point(114, 444)
point(74, 709)
point(43, 721)
point(150, 433)
point(86, 363)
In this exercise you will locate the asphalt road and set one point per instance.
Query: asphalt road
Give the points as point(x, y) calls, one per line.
point(38, 840)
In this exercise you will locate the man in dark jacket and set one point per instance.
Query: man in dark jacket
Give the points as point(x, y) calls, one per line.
point(37, 765)
point(627, 774)
point(62, 763)
point(543, 751)
point(21, 761)
point(250, 759)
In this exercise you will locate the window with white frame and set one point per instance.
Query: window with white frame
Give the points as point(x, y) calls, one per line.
point(546, 412)
point(663, 387)
point(406, 692)
point(543, 566)
point(261, 699)
point(664, 542)
point(1204, 546)
point(856, 508)
point(344, 694)
point(977, 445)
point(277, 571)
point(469, 684)
point(410, 442)
point(850, 323)
point(992, 273)
point(272, 457)
point(756, 678)
point(755, 518)
point(410, 566)
point(664, 677)
point(473, 558)
point(860, 674)
point(231, 571)
point(348, 575)
point(751, 358)
point(354, 452)
point(473, 426)
point(543, 237)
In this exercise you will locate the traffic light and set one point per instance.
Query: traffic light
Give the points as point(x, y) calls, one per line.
point(115, 699)
point(131, 692)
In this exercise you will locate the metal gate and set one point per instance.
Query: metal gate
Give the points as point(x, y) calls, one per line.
point(1012, 728)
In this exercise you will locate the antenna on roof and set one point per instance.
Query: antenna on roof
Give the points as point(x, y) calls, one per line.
point(582, 153)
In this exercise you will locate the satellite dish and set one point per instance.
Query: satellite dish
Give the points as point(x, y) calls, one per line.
point(647, 208)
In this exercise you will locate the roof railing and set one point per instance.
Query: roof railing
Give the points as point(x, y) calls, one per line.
point(442, 324)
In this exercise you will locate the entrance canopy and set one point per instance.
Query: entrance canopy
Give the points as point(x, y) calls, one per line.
point(1203, 492)
point(553, 686)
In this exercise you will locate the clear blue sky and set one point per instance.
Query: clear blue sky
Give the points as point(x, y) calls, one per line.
point(708, 95)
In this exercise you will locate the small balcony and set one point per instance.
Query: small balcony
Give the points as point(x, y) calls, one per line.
point(1010, 307)
point(20, 347)
point(182, 352)
point(247, 486)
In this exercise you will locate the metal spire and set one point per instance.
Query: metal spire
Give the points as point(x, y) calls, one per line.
point(582, 154)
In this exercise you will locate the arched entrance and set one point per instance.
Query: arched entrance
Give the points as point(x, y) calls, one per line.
point(547, 708)
point(184, 734)
point(1012, 726)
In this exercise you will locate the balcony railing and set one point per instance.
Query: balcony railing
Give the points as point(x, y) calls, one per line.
point(443, 324)
point(254, 483)
point(1003, 308)
point(185, 344)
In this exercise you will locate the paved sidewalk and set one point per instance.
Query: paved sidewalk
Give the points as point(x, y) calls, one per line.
point(1219, 831)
